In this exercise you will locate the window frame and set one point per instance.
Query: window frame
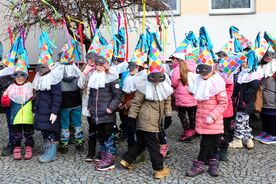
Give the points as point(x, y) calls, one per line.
point(233, 11)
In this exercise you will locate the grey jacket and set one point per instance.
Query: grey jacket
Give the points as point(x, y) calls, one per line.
point(269, 93)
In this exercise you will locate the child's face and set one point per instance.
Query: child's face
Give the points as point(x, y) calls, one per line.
point(244, 65)
point(20, 80)
point(133, 72)
point(205, 77)
point(91, 61)
point(100, 67)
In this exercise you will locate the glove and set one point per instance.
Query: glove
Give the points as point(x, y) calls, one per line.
point(53, 118)
point(131, 124)
point(5, 101)
point(168, 122)
point(210, 120)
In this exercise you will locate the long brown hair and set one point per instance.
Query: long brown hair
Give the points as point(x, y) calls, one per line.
point(183, 69)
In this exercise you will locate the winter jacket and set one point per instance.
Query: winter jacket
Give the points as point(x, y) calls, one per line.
point(149, 114)
point(215, 108)
point(103, 98)
point(47, 102)
point(244, 96)
point(269, 93)
point(183, 97)
point(71, 94)
point(229, 112)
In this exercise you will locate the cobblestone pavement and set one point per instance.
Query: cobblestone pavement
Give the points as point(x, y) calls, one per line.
point(245, 166)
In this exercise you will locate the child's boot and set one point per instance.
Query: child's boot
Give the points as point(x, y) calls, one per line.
point(197, 168)
point(28, 153)
point(45, 150)
point(79, 146)
point(250, 144)
point(8, 150)
point(127, 165)
point(236, 143)
point(213, 167)
point(162, 173)
point(51, 153)
point(63, 148)
point(223, 155)
point(106, 163)
point(17, 153)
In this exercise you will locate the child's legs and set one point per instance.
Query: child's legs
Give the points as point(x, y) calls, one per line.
point(242, 129)
point(17, 135)
point(183, 118)
point(272, 125)
point(76, 120)
point(131, 136)
point(92, 136)
point(227, 133)
point(135, 150)
point(64, 123)
point(106, 137)
point(214, 146)
point(191, 114)
point(9, 125)
point(153, 146)
point(265, 120)
point(204, 148)
point(28, 134)
point(123, 126)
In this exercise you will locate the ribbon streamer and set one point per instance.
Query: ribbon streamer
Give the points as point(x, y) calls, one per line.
point(10, 34)
point(126, 28)
point(144, 2)
point(110, 15)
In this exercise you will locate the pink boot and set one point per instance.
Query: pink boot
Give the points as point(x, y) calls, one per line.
point(17, 153)
point(186, 135)
point(28, 153)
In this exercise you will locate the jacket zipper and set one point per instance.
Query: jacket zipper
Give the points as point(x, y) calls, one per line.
point(97, 95)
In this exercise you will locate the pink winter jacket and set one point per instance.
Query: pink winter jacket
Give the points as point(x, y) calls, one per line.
point(229, 112)
point(215, 108)
point(183, 97)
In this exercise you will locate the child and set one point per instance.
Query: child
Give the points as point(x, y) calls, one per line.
point(5, 81)
point(47, 107)
point(71, 104)
point(209, 91)
point(104, 98)
point(152, 101)
point(268, 112)
point(244, 96)
point(184, 100)
point(20, 94)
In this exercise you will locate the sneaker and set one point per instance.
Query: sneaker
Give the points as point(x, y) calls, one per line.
point(107, 163)
point(63, 148)
point(249, 144)
point(269, 140)
point(8, 150)
point(162, 173)
point(261, 136)
point(236, 143)
point(127, 165)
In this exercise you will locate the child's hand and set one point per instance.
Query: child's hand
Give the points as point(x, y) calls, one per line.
point(210, 120)
point(53, 118)
point(108, 111)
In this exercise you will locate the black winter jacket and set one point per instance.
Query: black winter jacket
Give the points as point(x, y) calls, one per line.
point(103, 98)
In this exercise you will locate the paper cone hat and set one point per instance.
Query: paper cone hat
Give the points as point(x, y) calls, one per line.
point(155, 62)
point(95, 44)
point(231, 63)
point(21, 65)
point(244, 42)
point(107, 52)
point(46, 49)
point(16, 49)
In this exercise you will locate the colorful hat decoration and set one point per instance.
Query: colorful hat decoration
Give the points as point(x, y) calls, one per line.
point(16, 49)
point(67, 55)
point(21, 65)
point(228, 48)
point(120, 45)
point(231, 63)
point(271, 40)
point(182, 50)
point(95, 44)
point(206, 55)
point(107, 52)
point(155, 62)
point(261, 46)
point(244, 42)
point(46, 49)
point(140, 55)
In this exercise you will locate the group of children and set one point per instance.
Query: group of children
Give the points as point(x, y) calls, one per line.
point(206, 99)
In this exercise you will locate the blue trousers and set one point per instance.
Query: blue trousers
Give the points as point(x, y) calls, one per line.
point(74, 115)
point(9, 125)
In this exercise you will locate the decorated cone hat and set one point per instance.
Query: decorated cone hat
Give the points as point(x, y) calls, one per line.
point(107, 52)
point(271, 40)
point(182, 50)
point(140, 55)
point(12, 55)
point(46, 49)
point(206, 56)
point(21, 69)
point(155, 69)
point(67, 54)
point(120, 45)
point(95, 44)
point(244, 42)
point(261, 46)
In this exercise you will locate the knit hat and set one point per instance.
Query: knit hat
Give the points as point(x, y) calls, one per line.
point(244, 42)
point(155, 70)
point(95, 44)
point(107, 52)
point(46, 49)
point(182, 50)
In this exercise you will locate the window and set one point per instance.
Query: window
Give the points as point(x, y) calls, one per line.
point(217, 7)
point(174, 5)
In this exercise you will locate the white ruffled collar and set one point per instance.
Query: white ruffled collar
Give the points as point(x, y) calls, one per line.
point(246, 77)
point(99, 79)
point(129, 84)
